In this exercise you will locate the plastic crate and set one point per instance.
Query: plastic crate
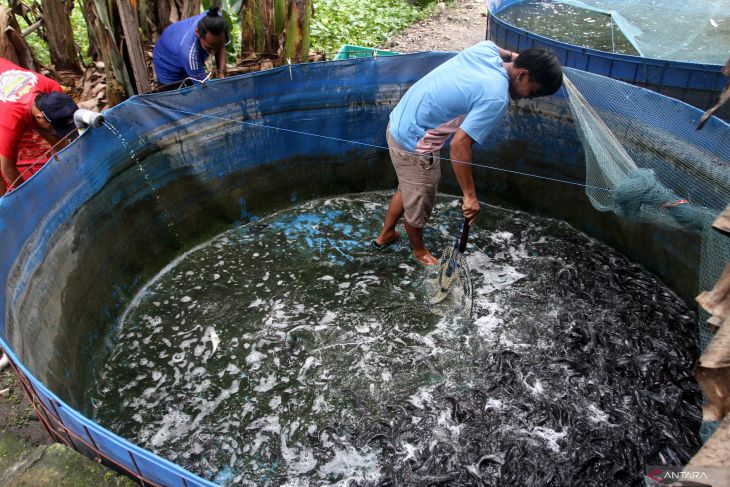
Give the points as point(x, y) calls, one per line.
point(349, 52)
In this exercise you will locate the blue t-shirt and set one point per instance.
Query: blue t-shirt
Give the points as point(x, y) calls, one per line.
point(178, 54)
point(469, 91)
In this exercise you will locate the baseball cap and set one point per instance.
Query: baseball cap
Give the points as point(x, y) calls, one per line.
point(58, 108)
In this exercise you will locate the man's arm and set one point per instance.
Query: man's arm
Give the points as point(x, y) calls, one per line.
point(220, 61)
point(9, 171)
point(461, 155)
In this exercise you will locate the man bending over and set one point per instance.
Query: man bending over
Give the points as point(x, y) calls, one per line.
point(464, 97)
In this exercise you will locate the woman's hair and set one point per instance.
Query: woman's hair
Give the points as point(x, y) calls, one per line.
point(544, 68)
point(214, 23)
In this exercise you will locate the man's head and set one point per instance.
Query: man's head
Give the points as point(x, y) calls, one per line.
point(535, 72)
point(212, 31)
point(54, 111)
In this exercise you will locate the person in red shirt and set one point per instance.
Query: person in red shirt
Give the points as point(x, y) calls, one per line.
point(30, 101)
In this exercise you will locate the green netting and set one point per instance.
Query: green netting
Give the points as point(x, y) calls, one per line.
point(646, 162)
point(697, 31)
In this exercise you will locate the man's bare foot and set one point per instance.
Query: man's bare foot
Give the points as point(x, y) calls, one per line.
point(387, 238)
point(425, 259)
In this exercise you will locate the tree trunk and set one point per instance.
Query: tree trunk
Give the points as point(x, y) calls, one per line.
point(13, 46)
point(146, 21)
point(296, 44)
point(169, 11)
point(101, 32)
point(133, 42)
point(57, 19)
point(259, 33)
point(276, 28)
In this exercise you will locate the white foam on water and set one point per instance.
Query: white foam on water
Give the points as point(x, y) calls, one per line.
point(489, 323)
point(328, 318)
point(362, 328)
point(308, 363)
point(448, 426)
point(423, 396)
point(264, 427)
point(254, 358)
point(411, 451)
point(508, 343)
point(171, 424)
point(320, 405)
point(501, 238)
point(266, 383)
point(535, 387)
point(492, 403)
point(597, 415)
point(550, 436)
point(353, 465)
point(492, 276)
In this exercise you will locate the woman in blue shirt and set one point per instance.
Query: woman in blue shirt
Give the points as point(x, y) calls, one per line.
point(184, 46)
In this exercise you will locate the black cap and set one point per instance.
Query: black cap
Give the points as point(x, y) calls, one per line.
point(58, 108)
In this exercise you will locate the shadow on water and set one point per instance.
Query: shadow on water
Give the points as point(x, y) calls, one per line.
point(287, 350)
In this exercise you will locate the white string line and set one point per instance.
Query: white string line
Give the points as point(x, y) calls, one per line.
point(243, 122)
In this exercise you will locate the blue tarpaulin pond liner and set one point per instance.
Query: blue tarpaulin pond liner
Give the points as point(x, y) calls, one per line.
point(687, 77)
point(88, 230)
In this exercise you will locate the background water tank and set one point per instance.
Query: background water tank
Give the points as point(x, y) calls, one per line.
point(679, 52)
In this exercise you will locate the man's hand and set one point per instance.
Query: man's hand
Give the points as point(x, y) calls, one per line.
point(471, 209)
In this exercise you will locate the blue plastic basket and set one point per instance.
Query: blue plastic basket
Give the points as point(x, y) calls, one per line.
point(349, 52)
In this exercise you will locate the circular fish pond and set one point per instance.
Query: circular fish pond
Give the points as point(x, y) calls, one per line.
point(569, 23)
point(289, 351)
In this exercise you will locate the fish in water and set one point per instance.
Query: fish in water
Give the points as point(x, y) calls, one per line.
point(213, 337)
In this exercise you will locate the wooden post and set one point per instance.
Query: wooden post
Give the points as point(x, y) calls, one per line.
point(134, 46)
point(61, 46)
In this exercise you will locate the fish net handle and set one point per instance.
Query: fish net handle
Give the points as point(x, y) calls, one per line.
point(464, 231)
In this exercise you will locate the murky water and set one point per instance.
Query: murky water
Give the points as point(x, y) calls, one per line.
point(567, 23)
point(288, 351)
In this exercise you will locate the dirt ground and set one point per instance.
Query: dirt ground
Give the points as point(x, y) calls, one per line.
point(455, 25)
point(17, 416)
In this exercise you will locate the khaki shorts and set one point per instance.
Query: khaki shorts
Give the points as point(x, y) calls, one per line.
point(418, 178)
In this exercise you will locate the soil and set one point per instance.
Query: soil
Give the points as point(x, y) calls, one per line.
point(17, 416)
point(454, 26)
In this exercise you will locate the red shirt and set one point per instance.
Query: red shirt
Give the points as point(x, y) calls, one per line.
point(18, 89)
